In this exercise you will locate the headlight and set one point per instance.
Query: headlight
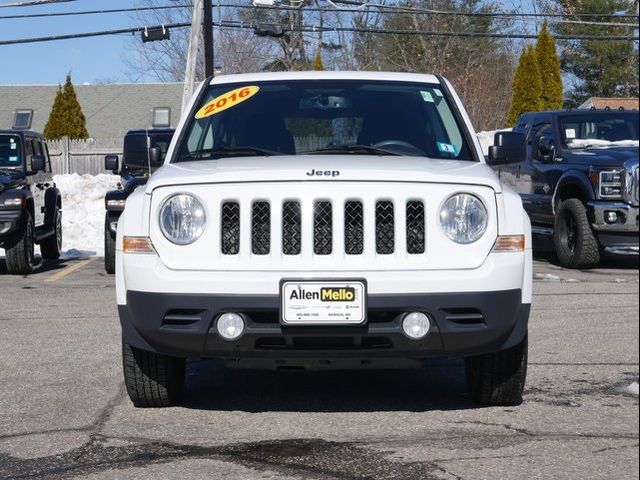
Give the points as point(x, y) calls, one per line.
point(463, 218)
point(182, 219)
point(610, 184)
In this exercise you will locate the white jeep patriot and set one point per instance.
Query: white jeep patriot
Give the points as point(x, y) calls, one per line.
point(316, 220)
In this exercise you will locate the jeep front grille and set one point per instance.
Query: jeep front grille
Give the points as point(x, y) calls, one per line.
point(353, 228)
point(395, 227)
point(230, 228)
point(261, 228)
point(385, 228)
point(291, 228)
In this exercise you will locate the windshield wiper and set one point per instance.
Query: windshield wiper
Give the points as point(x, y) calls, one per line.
point(230, 152)
point(353, 149)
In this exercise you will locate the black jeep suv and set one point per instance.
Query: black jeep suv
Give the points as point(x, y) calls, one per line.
point(30, 203)
point(579, 181)
point(143, 152)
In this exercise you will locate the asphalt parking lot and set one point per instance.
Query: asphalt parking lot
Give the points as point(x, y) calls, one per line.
point(64, 412)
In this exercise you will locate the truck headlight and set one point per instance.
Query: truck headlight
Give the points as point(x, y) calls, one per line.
point(610, 184)
point(463, 218)
point(182, 219)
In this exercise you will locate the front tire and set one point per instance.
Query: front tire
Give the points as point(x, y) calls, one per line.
point(152, 380)
point(109, 250)
point(576, 245)
point(498, 379)
point(20, 257)
point(51, 247)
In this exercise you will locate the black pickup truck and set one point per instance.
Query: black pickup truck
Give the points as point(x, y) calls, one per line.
point(579, 181)
point(30, 203)
point(143, 152)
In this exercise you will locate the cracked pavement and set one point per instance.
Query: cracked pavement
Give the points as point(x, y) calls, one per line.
point(64, 412)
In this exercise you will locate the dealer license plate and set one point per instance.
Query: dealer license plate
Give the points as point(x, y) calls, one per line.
point(323, 302)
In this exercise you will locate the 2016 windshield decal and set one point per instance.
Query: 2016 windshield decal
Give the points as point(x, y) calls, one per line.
point(227, 100)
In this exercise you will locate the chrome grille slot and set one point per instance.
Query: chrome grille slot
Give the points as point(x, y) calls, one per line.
point(230, 228)
point(291, 228)
point(385, 230)
point(631, 182)
point(322, 228)
point(261, 228)
point(415, 227)
point(353, 228)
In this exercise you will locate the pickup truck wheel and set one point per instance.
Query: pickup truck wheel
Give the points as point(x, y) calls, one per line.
point(51, 247)
point(576, 245)
point(152, 380)
point(109, 250)
point(497, 379)
point(20, 256)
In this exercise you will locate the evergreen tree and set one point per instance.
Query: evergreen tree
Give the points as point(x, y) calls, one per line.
point(53, 130)
point(317, 61)
point(527, 86)
point(601, 68)
point(552, 91)
point(66, 118)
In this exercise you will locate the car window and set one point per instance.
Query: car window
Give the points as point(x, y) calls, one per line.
point(28, 146)
point(303, 116)
point(598, 129)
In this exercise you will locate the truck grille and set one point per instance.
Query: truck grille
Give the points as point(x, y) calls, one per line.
point(631, 183)
point(385, 223)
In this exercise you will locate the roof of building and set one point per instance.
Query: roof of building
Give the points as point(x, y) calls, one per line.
point(614, 103)
point(110, 109)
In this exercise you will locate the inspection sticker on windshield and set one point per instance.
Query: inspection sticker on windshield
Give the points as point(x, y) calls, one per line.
point(426, 96)
point(323, 302)
point(570, 133)
point(446, 148)
point(227, 100)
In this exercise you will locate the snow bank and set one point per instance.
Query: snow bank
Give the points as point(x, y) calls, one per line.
point(486, 138)
point(83, 212)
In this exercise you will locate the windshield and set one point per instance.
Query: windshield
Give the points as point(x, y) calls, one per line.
point(599, 130)
point(324, 117)
point(10, 151)
point(161, 141)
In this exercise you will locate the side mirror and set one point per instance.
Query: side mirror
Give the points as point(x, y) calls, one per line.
point(155, 156)
point(508, 147)
point(37, 163)
point(111, 163)
point(546, 149)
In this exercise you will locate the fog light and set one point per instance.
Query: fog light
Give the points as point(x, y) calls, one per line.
point(416, 325)
point(611, 217)
point(230, 326)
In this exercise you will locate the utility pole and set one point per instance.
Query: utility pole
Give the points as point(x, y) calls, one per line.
point(207, 31)
point(192, 53)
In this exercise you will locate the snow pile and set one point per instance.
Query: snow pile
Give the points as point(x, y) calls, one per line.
point(83, 212)
point(633, 388)
point(486, 138)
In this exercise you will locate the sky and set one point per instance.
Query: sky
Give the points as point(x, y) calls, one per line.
point(90, 60)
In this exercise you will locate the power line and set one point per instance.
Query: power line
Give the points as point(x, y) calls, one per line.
point(385, 9)
point(317, 28)
point(32, 3)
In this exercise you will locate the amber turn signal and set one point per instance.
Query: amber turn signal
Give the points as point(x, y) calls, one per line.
point(137, 245)
point(509, 243)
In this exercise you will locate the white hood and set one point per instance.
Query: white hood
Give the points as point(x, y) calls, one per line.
point(333, 168)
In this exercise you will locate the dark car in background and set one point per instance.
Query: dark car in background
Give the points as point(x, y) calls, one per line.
point(30, 203)
point(143, 153)
point(579, 181)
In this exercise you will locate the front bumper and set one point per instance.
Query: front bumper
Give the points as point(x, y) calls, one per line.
point(627, 216)
point(463, 324)
point(11, 224)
